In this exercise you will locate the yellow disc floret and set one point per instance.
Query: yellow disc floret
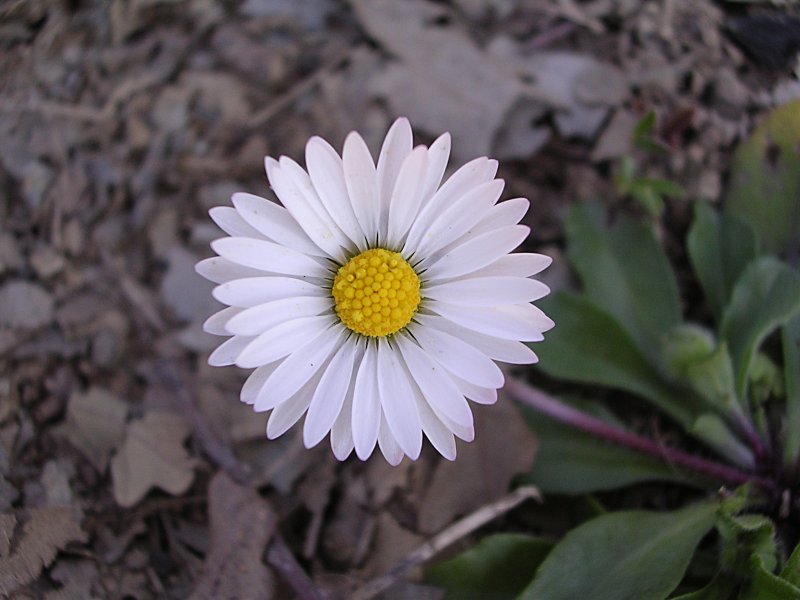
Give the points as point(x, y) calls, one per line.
point(376, 293)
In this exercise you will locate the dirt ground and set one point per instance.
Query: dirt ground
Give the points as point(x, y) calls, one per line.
point(128, 468)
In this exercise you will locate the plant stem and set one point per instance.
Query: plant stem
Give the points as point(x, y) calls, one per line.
point(568, 415)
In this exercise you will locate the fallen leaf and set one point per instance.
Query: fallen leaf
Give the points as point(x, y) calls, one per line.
point(504, 446)
point(95, 424)
point(455, 72)
point(242, 524)
point(77, 579)
point(152, 456)
point(47, 531)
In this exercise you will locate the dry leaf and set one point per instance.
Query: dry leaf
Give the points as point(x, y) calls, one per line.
point(242, 524)
point(48, 531)
point(152, 456)
point(444, 82)
point(96, 424)
point(504, 446)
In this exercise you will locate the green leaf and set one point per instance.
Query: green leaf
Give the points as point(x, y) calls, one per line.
point(743, 537)
point(715, 432)
point(498, 567)
point(625, 271)
point(720, 247)
point(765, 297)
point(791, 374)
point(791, 570)
point(623, 555)
point(590, 346)
point(720, 588)
point(766, 586)
point(572, 462)
point(765, 178)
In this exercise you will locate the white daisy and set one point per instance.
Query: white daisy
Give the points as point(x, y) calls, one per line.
point(375, 300)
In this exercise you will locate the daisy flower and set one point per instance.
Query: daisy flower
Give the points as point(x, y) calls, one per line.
point(375, 299)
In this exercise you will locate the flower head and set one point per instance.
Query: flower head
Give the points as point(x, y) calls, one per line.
point(374, 299)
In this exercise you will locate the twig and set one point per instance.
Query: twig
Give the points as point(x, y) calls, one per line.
point(282, 560)
point(297, 90)
point(455, 532)
point(559, 411)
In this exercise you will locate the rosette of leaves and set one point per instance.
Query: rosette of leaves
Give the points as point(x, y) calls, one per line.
point(729, 378)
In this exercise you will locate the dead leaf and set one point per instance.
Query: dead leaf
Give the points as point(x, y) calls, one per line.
point(25, 305)
point(242, 524)
point(152, 456)
point(95, 424)
point(392, 542)
point(77, 579)
point(48, 531)
point(503, 447)
point(443, 81)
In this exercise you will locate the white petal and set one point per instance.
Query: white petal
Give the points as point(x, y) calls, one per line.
point(255, 383)
point(366, 404)
point(389, 447)
point(232, 223)
point(407, 196)
point(434, 382)
point(220, 270)
point(302, 180)
point(438, 155)
point(268, 256)
point(288, 413)
point(477, 394)
point(460, 216)
point(215, 324)
point(327, 174)
point(464, 433)
point(342, 442)
point(226, 353)
point(504, 350)
point(488, 291)
point(394, 153)
point(467, 177)
point(437, 432)
point(394, 390)
point(508, 212)
point(256, 320)
point(361, 179)
point(520, 264)
point(459, 357)
point(523, 322)
point(299, 367)
point(322, 232)
point(275, 222)
point(282, 339)
point(329, 397)
point(476, 253)
point(252, 291)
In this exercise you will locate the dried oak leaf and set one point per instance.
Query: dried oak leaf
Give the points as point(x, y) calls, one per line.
point(242, 524)
point(47, 531)
point(96, 424)
point(152, 456)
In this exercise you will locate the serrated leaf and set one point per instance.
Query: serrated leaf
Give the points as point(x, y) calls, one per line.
point(743, 537)
point(720, 247)
point(624, 271)
point(765, 297)
point(623, 555)
point(572, 462)
point(590, 346)
point(765, 178)
point(764, 585)
point(498, 567)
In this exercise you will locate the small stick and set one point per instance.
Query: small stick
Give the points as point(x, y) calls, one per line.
point(451, 534)
point(282, 560)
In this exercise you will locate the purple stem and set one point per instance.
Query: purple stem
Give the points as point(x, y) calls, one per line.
point(559, 411)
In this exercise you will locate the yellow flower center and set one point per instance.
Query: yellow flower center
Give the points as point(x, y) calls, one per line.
point(376, 293)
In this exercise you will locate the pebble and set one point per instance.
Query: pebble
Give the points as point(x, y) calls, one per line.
point(25, 305)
